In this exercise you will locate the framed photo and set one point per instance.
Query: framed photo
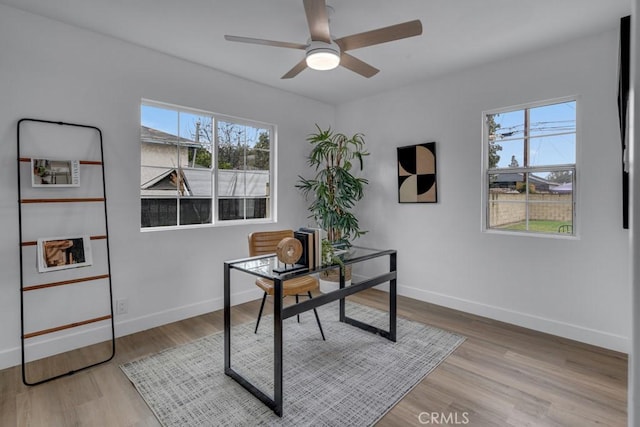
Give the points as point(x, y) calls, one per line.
point(417, 173)
point(59, 253)
point(55, 173)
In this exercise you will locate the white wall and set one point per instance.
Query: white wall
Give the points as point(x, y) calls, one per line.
point(56, 72)
point(573, 288)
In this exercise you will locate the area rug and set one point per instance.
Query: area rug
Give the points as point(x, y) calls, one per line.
point(352, 379)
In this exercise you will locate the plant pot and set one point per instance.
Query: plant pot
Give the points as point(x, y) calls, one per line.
point(330, 279)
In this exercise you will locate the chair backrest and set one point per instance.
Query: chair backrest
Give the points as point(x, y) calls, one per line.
point(265, 242)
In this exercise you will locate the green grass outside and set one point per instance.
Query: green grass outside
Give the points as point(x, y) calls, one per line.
point(538, 226)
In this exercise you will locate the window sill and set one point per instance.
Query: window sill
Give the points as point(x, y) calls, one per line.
point(229, 223)
point(532, 234)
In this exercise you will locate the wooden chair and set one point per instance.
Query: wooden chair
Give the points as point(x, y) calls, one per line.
point(265, 242)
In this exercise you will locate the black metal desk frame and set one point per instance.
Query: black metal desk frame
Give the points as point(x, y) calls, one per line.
point(281, 313)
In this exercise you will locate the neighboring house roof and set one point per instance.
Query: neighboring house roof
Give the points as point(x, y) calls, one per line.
point(250, 183)
point(518, 177)
point(155, 136)
point(165, 181)
point(197, 183)
point(563, 188)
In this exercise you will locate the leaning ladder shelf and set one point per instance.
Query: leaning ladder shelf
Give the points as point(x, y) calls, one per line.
point(31, 282)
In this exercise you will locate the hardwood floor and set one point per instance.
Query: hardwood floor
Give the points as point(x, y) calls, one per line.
point(502, 375)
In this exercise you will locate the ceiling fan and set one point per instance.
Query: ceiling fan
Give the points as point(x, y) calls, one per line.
point(322, 52)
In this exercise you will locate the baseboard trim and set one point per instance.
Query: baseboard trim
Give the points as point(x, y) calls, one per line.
point(562, 329)
point(12, 356)
point(550, 326)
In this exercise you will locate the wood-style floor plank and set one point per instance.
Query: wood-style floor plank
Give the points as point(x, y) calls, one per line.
point(502, 375)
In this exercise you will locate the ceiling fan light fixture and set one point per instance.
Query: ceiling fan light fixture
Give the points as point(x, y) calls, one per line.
point(323, 56)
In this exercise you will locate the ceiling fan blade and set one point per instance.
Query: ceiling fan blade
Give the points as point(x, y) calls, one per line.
point(357, 66)
point(297, 69)
point(265, 42)
point(318, 20)
point(381, 35)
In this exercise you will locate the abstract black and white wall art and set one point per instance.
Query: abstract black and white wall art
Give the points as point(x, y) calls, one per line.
point(417, 173)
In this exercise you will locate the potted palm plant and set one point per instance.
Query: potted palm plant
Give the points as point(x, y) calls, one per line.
point(334, 190)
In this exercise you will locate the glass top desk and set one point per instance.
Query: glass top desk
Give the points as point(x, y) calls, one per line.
point(263, 266)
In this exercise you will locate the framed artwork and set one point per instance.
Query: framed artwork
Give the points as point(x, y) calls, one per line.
point(55, 173)
point(59, 253)
point(417, 173)
point(624, 84)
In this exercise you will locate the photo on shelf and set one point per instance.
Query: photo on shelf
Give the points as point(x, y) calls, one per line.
point(59, 253)
point(55, 173)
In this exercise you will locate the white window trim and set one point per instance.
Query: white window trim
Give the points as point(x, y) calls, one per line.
point(484, 178)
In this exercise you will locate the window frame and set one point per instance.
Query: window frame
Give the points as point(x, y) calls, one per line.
point(527, 170)
point(214, 198)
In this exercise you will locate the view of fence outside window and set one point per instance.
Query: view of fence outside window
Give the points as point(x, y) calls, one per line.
point(530, 168)
point(202, 168)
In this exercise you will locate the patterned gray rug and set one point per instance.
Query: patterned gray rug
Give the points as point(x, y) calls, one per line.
point(352, 379)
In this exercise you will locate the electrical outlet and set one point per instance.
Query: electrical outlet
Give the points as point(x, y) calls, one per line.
point(122, 306)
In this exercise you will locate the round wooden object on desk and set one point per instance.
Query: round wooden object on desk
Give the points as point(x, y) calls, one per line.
point(289, 250)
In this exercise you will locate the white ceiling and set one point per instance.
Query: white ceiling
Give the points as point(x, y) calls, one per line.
point(457, 34)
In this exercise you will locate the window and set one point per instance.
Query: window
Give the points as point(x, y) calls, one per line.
point(530, 168)
point(202, 168)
